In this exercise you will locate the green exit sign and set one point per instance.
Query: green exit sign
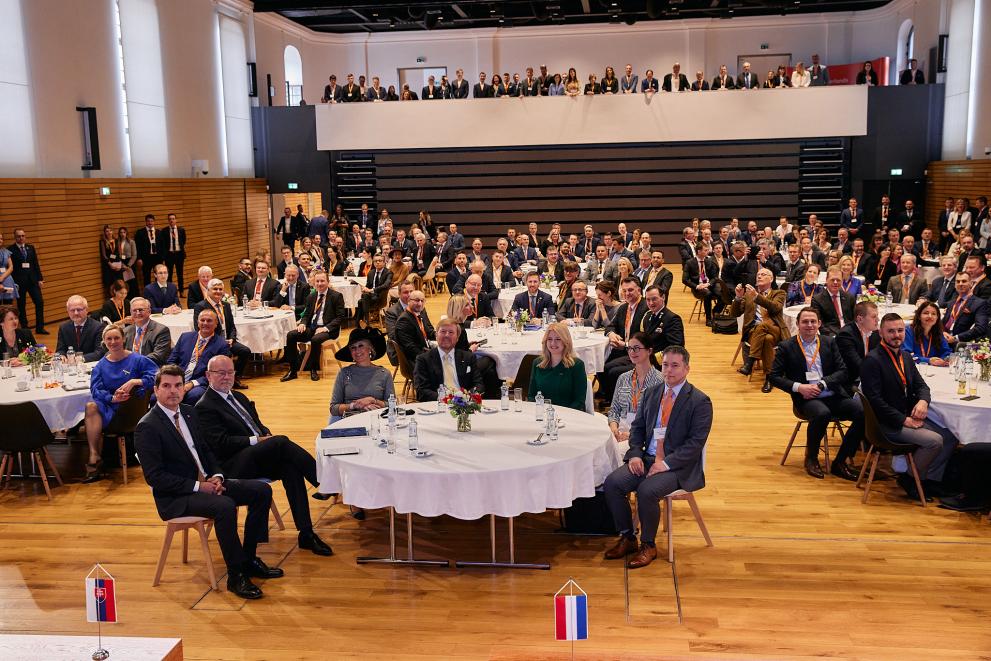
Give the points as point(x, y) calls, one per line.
point(294, 186)
point(896, 172)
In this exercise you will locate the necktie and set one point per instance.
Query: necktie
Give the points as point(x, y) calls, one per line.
point(630, 313)
point(533, 306)
point(175, 240)
point(588, 246)
point(667, 403)
point(317, 312)
point(703, 278)
point(258, 290)
point(905, 284)
point(241, 411)
point(375, 280)
point(79, 336)
point(423, 329)
point(193, 359)
point(220, 316)
point(24, 253)
point(450, 380)
point(138, 333)
point(291, 295)
point(839, 310)
point(199, 469)
point(578, 310)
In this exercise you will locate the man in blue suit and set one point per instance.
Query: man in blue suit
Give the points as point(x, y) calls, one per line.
point(628, 83)
point(524, 253)
point(533, 300)
point(162, 294)
point(852, 218)
point(194, 350)
point(226, 329)
point(667, 438)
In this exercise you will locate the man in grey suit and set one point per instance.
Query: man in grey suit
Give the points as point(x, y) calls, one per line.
point(667, 438)
point(146, 336)
point(578, 307)
point(599, 267)
point(909, 285)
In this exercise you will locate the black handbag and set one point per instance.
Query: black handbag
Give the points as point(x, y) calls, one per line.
point(725, 326)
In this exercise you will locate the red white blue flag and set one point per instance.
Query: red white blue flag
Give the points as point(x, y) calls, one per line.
point(101, 602)
point(571, 617)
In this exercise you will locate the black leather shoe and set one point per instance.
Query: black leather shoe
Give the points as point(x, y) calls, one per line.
point(41, 331)
point(960, 504)
point(708, 322)
point(241, 585)
point(311, 542)
point(322, 496)
point(289, 376)
point(813, 468)
point(239, 386)
point(314, 375)
point(766, 387)
point(748, 366)
point(842, 471)
point(94, 473)
point(259, 569)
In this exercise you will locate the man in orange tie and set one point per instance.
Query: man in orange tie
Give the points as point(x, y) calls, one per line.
point(667, 439)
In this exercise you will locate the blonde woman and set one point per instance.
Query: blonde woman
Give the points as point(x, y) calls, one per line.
point(460, 309)
point(851, 283)
point(559, 374)
point(624, 269)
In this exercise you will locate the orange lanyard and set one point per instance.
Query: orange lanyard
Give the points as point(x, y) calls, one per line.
point(120, 309)
point(926, 348)
point(899, 366)
point(848, 285)
point(808, 294)
point(200, 346)
point(956, 310)
point(810, 363)
point(635, 392)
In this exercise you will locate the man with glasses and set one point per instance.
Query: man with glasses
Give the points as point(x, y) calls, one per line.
point(215, 301)
point(146, 336)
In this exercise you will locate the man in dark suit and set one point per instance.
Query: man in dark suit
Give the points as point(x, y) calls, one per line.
point(747, 79)
point(579, 308)
point(332, 91)
point(686, 249)
point(661, 324)
point(146, 336)
point(163, 295)
point(910, 221)
point(533, 301)
point(29, 281)
point(913, 75)
point(980, 284)
point(587, 243)
point(226, 328)
point(351, 93)
point(284, 229)
point(151, 245)
point(446, 251)
point(525, 252)
point(675, 79)
point(834, 306)
point(193, 351)
point(812, 371)
point(391, 316)
point(552, 265)
point(657, 274)
point(431, 91)
point(500, 273)
point(667, 440)
point(481, 301)
point(240, 278)
point(459, 86)
point(700, 84)
point(175, 249)
point(457, 274)
point(375, 91)
point(966, 317)
point(627, 321)
point(262, 288)
point(481, 90)
point(376, 289)
point(320, 322)
point(199, 290)
point(292, 294)
point(909, 285)
point(723, 81)
point(795, 270)
point(413, 330)
point(700, 275)
point(863, 262)
point(82, 333)
point(852, 218)
point(422, 255)
point(857, 339)
point(247, 450)
point(900, 399)
point(176, 463)
point(446, 365)
point(280, 268)
point(943, 287)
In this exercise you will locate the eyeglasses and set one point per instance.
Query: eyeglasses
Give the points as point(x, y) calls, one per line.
point(222, 372)
point(634, 349)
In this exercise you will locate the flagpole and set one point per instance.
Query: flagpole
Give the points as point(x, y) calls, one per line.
point(571, 593)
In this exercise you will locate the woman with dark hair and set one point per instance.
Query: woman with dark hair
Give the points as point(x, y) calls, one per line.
point(391, 94)
point(499, 88)
point(556, 88)
point(13, 338)
point(610, 83)
point(129, 254)
point(115, 309)
point(883, 269)
point(867, 75)
point(407, 95)
point(111, 262)
point(631, 386)
point(571, 85)
point(426, 224)
point(802, 291)
point(605, 304)
point(592, 86)
point(924, 337)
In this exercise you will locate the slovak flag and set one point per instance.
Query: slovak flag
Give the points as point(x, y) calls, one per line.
point(571, 617)
point(101, 602)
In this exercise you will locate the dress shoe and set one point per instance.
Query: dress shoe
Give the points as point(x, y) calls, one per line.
point(311, 542)
point(960, 504)
point(645, 556)
point(813, 468)
point(259, 569)
point(94, 473)
point(906, 482)
point(314, 375)
point(766, 388)
point(748, 366)
point(624, 547)
point(289, 376)
point(41, 331)
point(708, 322)
point(241, 585)
point(322, 496)
point(238, 385)
point(842, 471)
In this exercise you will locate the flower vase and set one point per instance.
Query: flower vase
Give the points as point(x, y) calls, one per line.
point(986, 371)
point(35, 371)
point(464, 422)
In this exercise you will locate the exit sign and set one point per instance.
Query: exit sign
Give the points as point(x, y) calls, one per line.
point(293, 186)
point(896, 172)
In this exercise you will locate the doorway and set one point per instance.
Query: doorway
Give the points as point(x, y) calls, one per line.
point(417, 77)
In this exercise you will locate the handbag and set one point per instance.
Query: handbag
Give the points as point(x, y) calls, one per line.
point(725, 326)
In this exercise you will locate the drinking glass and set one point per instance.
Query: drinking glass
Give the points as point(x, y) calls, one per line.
point(518, 400)
point(373, 426)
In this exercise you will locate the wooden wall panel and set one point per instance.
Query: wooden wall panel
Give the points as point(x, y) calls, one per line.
point(954, 179)
point(64, 218)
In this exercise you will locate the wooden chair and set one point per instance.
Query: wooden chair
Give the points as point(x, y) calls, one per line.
point(879, 444)
point(430, 278)
point(406, 370)
point(183, 524)
point(739, 346)
point(129, 413)
point(668, 518)
point(522, 379)
point(25, 430)
point(275, 510)
point(698, 311)
point(835, 422)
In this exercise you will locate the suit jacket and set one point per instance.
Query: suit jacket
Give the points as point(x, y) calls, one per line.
point(455, 280)
point(270, 287)
point(480, 91)
point(525, 254)
point(194, 294)
point(182, 352)
point(428, 373)
point(445, 253)
point(420, 265)
point(23, 338)
point(298, 301)
point(651, 84)
point(866, 265)
point(408, 335)
point(459, 89)
point(529, 87)
point(91, 347)
point(558, 269)
point(773, 303)
point(691, 275)
point(23, 275)
point(380, 288)
point(544, 302)
point(882, 386)
point(581, 249)
point(618, 325)
point(506, 279)
point(143, 243)
point(682, 82)
point(942, 291)
point(906, 77)
point(851, 221)
point(630, 84)
point(227, 329)
point(782, 81)
point(700, 87)
point(795, 271)
point(819, 75)
point(167, 231)
point(333, 310)
point(790, 367)
point(375, 93)
point(156, 343)
point(663, 279)
point(686, 251)
point(971, 323)
point(332, 92)
point(224, 430)
point(437, 93)
point(743, 82)
point(686, 435)
point(161, 298)
point(567, 311)
point(664, 329)
point(916, 289)
point(350, 95)
point(915, 224)
point(717, 83)
point(167, 463)
point(592, 271)
point(850, 343)
point(391, 315)
point(823, 302)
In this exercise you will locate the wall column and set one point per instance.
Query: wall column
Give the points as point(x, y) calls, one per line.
point(956, 106)
point(979, 127)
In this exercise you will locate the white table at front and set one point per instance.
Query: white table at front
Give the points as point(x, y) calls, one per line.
point(61, 408)
point(488, 471)
point(968, 420)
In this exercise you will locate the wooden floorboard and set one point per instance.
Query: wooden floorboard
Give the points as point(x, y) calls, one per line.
point(800, 568)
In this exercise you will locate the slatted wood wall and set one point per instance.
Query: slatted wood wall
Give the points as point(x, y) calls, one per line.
point(64, 218)
point(955, 179)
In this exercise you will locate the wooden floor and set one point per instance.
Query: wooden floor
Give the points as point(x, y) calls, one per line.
point(800, 568)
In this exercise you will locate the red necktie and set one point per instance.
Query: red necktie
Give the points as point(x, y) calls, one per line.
point(258, 289)
point(839, 310)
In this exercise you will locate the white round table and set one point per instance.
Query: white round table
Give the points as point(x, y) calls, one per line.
point(260, 331)
point(502, 305)
point(508, 350)
point(490, 470)
point(61, 408)
point(350, 291)
point(968, 420)
point(906, 311)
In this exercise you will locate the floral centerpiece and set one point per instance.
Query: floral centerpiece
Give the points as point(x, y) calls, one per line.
point(546, 280)
point(982, 356)
point(870, 294)
point(462, 403)
point(520, 319)
point(230, 300)
point(34, 357)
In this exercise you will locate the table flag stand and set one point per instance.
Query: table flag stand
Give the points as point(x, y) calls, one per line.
point(571, 614)
point(101, 605)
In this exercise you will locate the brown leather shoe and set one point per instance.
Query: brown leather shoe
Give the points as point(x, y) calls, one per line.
point(624, 547)
point(645, 556)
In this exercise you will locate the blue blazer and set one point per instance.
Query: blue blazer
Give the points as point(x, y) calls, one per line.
point(544, 302)
point(649, 85)
point(632, 86)
point(523, 254)
point(182, 352)
point(916, 348)
point(161, 299)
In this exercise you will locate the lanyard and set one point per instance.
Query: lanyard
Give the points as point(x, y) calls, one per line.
point(807, 294)
point(119, 308)
point(956, 310)
point(634, 391)
point(926, 348)
point(848, 285)
point(899, 366)
point(809, 363)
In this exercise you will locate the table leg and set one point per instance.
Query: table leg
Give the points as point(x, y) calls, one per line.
point(512, 552)
point(392, 559)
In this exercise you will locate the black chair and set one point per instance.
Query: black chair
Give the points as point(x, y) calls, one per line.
point(25, 430)
point(406, 370)
point(129, 413)
point(522, 379)
point(835, 422)
point(880, 444)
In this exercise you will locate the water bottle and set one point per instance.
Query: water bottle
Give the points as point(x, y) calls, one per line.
point(504, 397)
point(551, 429)
point(390, 437)
point(58, 369)
point(544, 318)
point(539, 409)
point(441, 395)
point(244, 303)
point(70, 357)
point(392, 410)
point(414, 440)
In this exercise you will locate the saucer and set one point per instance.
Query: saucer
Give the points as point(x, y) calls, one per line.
point(423, 454)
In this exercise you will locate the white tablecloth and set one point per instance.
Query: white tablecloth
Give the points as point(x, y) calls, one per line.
point(350, 291)
point(62, 409)
point(969, 421)
point(259, 335)
point(508, 350)
point(502, 305)
point(490, 470)
point(906, 311)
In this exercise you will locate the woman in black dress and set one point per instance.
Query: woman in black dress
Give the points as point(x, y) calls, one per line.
point(111, 262)
point(867, 75)
point(13, 338)
point(610, 84)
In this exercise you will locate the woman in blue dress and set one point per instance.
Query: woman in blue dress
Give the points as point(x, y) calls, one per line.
point(851, 283)
point(924, 337)
point(120, 375)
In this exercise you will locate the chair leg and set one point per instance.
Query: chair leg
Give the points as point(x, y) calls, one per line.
point(3, 468)
point(277, 516)
point(825, 448)
point(739, 349)
point(43, 472)
point(122, 450)
point(51, 464)
point(633, 508)
point(166, 545)
point(794, 434)
point(870, 477)
point(185, 546)
point(669, 524)
point(918, 482)
point(698, 518)
point(863, 468)
point(201, 529)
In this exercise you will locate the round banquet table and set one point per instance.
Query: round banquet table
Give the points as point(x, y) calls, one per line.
point(969, 421)
point(490, 470)
point(508, 350)
point(61, 408)
point(502, 305)
point(260, 331)
point(906, 311)
point(350, 291)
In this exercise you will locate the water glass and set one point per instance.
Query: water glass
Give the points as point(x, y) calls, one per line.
point(518, 400)
point(390, 439)
point(373, 426)
point(265, 305)
point(7, 372)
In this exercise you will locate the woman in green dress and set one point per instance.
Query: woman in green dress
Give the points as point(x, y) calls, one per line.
point(559, 374)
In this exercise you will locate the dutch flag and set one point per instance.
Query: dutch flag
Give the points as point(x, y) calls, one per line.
point(101, 602)
point(571, 617)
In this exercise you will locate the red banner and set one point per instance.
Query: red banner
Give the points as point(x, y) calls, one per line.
point(846, 74)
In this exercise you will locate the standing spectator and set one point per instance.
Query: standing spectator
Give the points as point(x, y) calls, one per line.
point(913, 75)
point(818, 72)
point(175, 255)
point(867, 75)
point(151, 245)
point(284, 229)
point(110, 260)
point(129, 255)
point(29, 281)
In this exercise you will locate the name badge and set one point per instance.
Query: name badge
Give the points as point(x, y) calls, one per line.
point(25, 265)
point(812, 377)
point(659, 433)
